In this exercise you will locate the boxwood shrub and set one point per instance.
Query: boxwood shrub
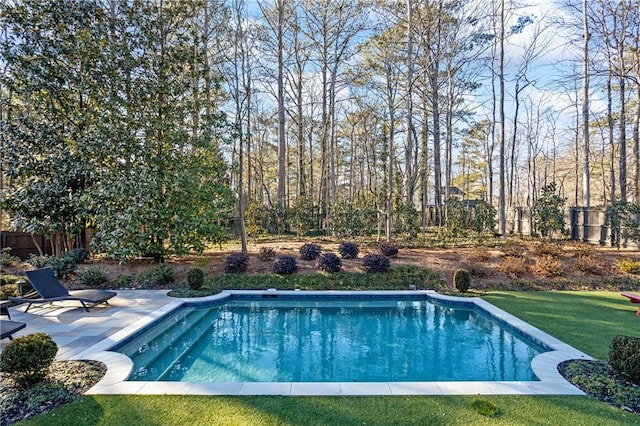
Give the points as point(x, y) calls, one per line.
point(329, 262)
point(236, 263)
point(195, 278)
point(462, 280)
point(624, 357)
point(376, 262)
point(93, 277)
point(349, 250)
point(28, 358)
point(285, 265)
point(388, 249)
point(310, 251)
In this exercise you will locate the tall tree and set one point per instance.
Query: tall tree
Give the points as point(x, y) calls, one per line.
point(586, 178)
point(50, 84)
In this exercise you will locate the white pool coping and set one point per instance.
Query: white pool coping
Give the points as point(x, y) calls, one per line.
point(544, 366)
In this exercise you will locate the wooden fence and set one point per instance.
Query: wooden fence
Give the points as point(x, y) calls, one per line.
point(22, 244)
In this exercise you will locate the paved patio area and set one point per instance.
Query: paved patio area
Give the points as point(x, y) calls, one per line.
point(75, 330)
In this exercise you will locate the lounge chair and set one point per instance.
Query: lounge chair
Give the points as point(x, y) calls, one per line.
point(633, 298)
point(50, 290)
point(8, 327)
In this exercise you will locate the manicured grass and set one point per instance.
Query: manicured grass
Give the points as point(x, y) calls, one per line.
point(415, 410)
point(585, 320)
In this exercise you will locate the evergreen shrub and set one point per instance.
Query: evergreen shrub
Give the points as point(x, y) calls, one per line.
point(624, 357)
point(236, 263)
point(388, 249)
point(195, 278)
point(285, 265)
point(93, 277)
point(329, 262)
point(310, 251)
point(376, 262)
point(78, 255)
point(462, 280)
point(349, 250)
point(28, 358)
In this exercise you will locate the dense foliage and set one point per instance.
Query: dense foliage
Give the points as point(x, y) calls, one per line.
point(388, 249)
point(624, 357)
point(28, 358)
point(624, 220)
point(310, 251)
point(108, 131)
point(348, 250)
point(285, 265)
point(195, 278)
point(462, 280)
point(548, 211)
point(93, 277)
point(236, 263)
point(376, 262)
point(329, 262)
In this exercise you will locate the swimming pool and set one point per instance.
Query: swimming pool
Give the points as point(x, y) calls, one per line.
point(330, 339)
point(120, 368)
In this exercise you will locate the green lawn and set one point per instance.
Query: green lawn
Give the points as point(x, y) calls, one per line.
point(587, 321)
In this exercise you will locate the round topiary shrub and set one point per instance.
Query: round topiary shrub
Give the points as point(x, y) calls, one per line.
point(376, 262)
point(462, 280)
point(28, 358)
point(348, 250)
point(236, 263)
point(388, 249)
point(78, 255)
point(329, 262)
point(624, 357)
point(195, 278)
point(93, 277)
point(310, 251)
point(285, 265)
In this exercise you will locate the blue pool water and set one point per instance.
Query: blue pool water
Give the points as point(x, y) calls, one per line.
point(279, 340)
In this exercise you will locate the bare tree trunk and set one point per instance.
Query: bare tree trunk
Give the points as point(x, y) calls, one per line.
point(622, 155)
point(502, 205)
point(282, 148)
point(636, 144)
point(410, 143)
point(612, 148)
point(586, 189)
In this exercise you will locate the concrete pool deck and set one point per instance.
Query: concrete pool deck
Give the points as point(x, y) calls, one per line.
point(84, 335)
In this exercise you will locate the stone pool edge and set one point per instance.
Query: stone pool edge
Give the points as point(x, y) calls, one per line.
point(545, 365)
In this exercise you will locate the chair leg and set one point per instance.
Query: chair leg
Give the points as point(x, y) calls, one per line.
point(84, 305)
point(28, 306)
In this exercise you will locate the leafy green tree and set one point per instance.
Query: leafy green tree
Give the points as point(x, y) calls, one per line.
point(52, 67)
point(407, 220)
point(623, 219)
point(457, 216)
point(347, 220)
point(483, 217)
point(301, 215)
point(548, 211)
point(105, 126)
point(162, 186)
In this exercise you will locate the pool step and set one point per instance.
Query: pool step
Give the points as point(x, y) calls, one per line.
point(168, 351)
point(158, 343)
point(199, 332)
